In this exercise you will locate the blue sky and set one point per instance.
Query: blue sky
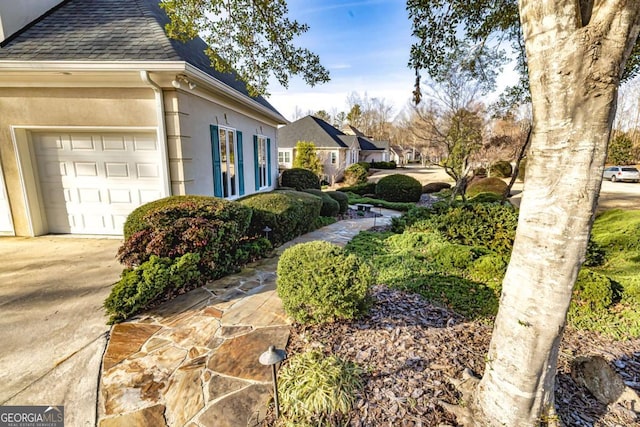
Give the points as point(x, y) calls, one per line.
point(365, 46)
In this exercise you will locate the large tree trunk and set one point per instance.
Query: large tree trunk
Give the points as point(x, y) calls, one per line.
point(575, 60)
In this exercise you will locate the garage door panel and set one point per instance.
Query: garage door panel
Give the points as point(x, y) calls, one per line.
point(91, 182)
point(141, 143)
point(83, 143)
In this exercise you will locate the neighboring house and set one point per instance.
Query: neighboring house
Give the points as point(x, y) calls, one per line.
point(370, 150)
point(402, 155)
point(335, 149)
point(100, 112)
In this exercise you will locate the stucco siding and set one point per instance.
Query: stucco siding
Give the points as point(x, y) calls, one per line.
point(28, 108)
point(195, 115)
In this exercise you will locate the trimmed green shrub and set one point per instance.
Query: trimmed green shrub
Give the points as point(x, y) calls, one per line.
point(486, 198)
point(384, 165)
point(319, 282)
point(365, 165)
point(399, 188)
point(486, 185)
point(396, 206)
point(360, 189)
point(434, 187)
point(138, 288)
point(212, 228)
point(480, 172)
point(323, 221)
point(355, 174)
point(341, 198)
point(330, 207)
point(165, 211)
point(316, 389)
point(300, 179)
point(287, 213)
point(501, 169)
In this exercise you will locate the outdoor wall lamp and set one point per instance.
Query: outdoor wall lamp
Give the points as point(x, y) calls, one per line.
point(180, 80)
point(272, 357)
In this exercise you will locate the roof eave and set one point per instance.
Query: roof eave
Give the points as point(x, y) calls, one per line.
point(216, 84)
point(151, 66)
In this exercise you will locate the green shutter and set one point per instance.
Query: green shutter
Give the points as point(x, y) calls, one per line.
point(269, 162)
point(256, 162)
point(240, 156)
point(217, 169)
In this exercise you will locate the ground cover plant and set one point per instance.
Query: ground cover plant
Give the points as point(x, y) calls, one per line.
point(457, 256)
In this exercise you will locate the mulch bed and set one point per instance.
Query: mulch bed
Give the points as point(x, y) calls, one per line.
point(410, 348)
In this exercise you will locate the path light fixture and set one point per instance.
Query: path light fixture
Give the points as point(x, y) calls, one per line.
point(266, 231)
point(272, 357)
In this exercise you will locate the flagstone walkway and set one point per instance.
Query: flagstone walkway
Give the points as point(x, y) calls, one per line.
point(193, 361)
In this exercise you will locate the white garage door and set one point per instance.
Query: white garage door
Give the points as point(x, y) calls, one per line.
point(91, 182)
point(6, 224)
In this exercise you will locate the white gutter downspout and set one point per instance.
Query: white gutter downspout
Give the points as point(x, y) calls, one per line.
point(161, 131)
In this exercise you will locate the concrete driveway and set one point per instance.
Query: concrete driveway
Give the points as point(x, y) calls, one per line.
point(52, 326)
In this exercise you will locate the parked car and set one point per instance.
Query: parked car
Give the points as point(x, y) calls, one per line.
point(622, 173)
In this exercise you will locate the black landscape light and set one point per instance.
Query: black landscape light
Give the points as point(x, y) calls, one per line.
point(272, 357)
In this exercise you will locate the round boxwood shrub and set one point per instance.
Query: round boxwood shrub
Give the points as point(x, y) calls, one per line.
point(399, 188)
point(501, 169)
point(480, 172)
point(300, 179)
point(288, 214)
point(365, 165)
point(330, 207)
point(355, 174)
point(174, 207)
point(319, 282)
point(341, 198)
point(213, 228)
point(486, 185)
point(435, 187)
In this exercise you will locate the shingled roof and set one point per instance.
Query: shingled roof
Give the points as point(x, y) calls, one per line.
point(311, 129)
point(110, 30)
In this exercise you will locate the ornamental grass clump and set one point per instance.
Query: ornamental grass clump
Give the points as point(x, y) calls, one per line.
point(319, 282)
point(318, 390)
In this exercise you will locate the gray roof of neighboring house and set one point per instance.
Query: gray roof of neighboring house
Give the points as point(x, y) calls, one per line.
point(350, 130)
point(311, 129)
point(366, 144)
point(321, 133)
point(110, 30)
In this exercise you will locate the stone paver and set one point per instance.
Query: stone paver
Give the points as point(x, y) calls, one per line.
point(193, 361)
